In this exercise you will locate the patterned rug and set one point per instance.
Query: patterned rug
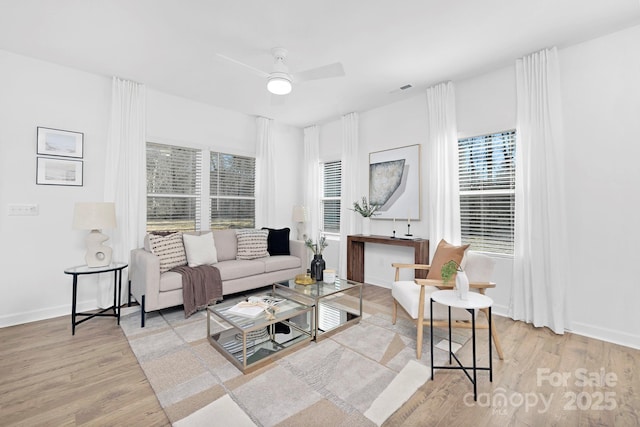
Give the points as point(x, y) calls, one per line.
point(356, 377)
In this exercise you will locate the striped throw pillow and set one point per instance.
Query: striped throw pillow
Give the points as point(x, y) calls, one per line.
point(252, 244)
point(170, 250)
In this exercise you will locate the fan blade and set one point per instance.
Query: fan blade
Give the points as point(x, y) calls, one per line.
point(324, 72)
point(242, 64)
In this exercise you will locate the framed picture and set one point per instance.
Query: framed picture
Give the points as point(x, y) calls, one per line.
point(58, 172)
point(394, 182)
point(63, 143)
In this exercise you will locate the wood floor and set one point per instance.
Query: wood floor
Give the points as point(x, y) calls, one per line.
point(49, 377)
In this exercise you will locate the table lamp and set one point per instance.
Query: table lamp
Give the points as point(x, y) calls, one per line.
point(95, 217)
point(299, 216)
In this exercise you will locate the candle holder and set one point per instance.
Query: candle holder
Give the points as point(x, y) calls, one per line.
point(408, 231)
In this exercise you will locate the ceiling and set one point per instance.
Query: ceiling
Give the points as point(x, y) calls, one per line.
point(172, 45)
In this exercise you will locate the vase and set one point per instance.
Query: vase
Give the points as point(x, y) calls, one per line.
point(366, 226)
point(462, 284)
point(317, 267)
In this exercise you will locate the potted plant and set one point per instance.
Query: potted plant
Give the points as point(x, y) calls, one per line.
point(317, 264)
point(366, 210)
point(451, 268)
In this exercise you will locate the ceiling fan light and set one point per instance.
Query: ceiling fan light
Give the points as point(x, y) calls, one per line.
point(279, 84)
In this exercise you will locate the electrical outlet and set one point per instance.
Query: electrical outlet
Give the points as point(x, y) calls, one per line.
point(22, 209)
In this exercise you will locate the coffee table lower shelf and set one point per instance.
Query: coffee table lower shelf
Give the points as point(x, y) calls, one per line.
point(251, 343)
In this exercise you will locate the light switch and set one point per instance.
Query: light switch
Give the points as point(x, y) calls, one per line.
point(22, 209)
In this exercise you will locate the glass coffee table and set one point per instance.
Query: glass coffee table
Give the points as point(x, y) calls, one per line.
point(248, 342)
point(333, 310)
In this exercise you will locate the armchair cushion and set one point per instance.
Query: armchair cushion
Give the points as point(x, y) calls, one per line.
point(169, 249)
point(407, 294)
point(201, 250)
point(445, 252)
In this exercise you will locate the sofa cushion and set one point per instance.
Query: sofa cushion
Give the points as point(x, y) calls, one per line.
point(234, 269)
point(226, 244)
point(278, 241)
point(200, 250)
point(280, 262)
point(445, 252)
point(169, 249)
point(252, 243)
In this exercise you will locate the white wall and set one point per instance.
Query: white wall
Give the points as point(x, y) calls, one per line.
point(601, 104)
point(36, 249)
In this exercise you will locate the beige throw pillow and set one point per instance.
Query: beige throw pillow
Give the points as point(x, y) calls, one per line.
point(252, 244)
point(169, 249)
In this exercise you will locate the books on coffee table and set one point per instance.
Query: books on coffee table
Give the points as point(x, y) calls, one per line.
point(245, 310)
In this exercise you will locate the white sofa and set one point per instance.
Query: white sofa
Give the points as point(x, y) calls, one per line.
point(154, 290)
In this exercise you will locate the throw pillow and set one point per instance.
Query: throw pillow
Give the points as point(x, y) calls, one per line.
point(169, 249)
point(445, 252)
point(201, 250)
point(278, 241)
point(252, 244)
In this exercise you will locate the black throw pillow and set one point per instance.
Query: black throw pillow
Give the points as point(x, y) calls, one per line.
point(278, 241)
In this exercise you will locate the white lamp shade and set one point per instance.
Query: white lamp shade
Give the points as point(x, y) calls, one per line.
point(299, 214)
point(94, 216)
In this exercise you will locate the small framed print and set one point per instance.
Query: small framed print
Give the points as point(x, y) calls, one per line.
point(59, 172)
point(63, 143)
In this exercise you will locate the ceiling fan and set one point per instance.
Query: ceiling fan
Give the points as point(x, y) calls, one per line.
point(280, 80)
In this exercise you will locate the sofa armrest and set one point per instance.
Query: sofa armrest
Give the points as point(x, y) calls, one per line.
point(144, 273)
point(298, 249)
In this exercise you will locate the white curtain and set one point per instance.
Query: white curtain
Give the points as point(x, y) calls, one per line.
point(125, 177)
point(311, 180)
point(540, 255)
point(442, 166)
point(349, 188)
point(265, 175)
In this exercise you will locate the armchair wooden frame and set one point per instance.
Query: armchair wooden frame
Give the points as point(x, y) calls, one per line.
point(421, 321)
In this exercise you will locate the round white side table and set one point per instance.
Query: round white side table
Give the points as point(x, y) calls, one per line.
point(474, 301)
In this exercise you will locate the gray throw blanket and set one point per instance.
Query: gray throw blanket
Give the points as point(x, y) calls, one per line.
point(201, 286)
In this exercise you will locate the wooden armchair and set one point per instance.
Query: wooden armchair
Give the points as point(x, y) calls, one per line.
point(413, 296)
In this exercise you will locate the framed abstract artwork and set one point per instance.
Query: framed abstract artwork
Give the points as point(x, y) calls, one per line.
point(394, 182)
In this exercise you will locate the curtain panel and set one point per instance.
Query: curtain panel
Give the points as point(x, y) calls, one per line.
point(125, 175)
point(311, 180)
point(349, 189)
point(540, 270)
point(442, 158)
point(265, 174)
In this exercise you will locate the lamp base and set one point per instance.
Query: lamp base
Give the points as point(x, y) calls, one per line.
point(98, 255)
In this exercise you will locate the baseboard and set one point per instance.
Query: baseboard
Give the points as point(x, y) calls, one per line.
point(44, 314)
point(605, 334)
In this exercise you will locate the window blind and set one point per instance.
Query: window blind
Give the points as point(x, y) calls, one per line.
point(232, 191)
point(330, 199)
point(487, 191)
point(173, 187)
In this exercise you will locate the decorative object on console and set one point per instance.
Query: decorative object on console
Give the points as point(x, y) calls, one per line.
point(95, 217)
point(366, 210)
point(299, 216)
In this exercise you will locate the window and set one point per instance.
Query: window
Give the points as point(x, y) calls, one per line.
point(232, 191)
point(487, 191)
point(331, 180)
point(173, 187)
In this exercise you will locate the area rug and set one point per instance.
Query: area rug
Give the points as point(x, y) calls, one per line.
point(356, 377)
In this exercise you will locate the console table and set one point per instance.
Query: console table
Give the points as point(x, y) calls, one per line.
point(355, 253)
